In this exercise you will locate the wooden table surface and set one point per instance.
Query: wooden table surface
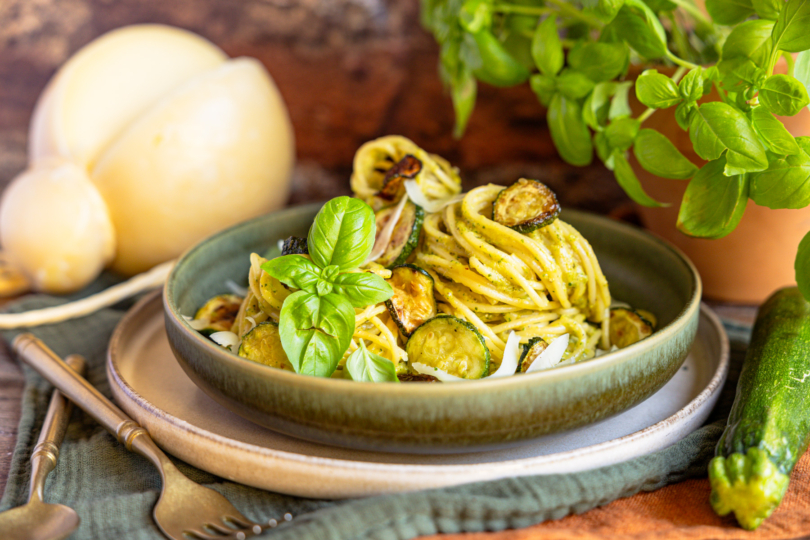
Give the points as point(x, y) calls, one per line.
point(11, 388)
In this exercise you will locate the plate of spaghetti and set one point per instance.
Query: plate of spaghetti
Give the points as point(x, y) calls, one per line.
point(413, 317)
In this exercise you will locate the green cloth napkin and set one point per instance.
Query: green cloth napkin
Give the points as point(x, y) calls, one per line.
point(114, 491)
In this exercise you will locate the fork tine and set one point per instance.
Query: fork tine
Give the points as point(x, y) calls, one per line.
point(239, 521)
point(221, 529)
point(202, 535)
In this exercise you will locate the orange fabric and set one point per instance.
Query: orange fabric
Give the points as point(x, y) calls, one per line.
point(678, 511)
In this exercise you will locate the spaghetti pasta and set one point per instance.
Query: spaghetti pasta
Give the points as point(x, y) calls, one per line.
point(536, 281)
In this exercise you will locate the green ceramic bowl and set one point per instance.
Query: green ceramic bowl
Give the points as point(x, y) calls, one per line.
point(438, 418)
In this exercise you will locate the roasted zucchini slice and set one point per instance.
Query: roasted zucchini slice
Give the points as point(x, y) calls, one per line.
point(531, 351)
point(416, 377)
point(628, 327)
point(405, 236)
point(649, 317)
point(295, 246)
point(219, 313)
point(413, 301)
point(525, 206)
point(263, 346)
point(394, 182)
point(450, 344)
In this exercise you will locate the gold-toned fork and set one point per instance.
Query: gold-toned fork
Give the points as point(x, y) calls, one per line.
point(185, 509)
point(36, 519)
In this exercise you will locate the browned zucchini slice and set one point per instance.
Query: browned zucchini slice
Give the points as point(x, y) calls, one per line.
point(531, 351)
point(219, 313)
point(416, 377)
point(450, 344)
point(525, 206)
point(295, 246)
point(649, 317)
point(394, 182)
point(263, 346)
point(628, 327)
point(413, 301)
point(405, 236)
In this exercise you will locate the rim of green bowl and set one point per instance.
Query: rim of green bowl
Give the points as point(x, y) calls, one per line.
point(690, 309)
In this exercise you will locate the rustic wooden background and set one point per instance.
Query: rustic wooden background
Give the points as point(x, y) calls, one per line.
point(349, 70)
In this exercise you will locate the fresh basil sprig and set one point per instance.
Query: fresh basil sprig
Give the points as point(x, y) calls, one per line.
point(576, 53)
point(316, 322)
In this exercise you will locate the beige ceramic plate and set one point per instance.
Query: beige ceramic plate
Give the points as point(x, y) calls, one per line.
point(150, 385)
point(487, 414)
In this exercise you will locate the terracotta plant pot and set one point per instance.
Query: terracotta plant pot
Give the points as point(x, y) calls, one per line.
point(750, 263)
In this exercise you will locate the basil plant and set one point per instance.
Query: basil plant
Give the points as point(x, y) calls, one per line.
point(575, 56)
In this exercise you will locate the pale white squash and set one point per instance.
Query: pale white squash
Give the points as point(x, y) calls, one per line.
point(146, 141)
point(109, 83)
point(215, 151)
point(54, 226)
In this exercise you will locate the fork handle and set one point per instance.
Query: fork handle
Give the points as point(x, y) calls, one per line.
point(48, 364)
point(46, 452)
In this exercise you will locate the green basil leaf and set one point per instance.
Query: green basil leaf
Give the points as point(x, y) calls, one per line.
point(342, 233)
point(302, 310)
point(768, 9)
point(520, 47)
point(620, 104)
point(323, 287)
point(310, 351)
point(544, 87)
point(691, 86)
point(783, 95)
point(717, 127)
point(801, 69)
point(629, 182)
point(315, 331)
point(475, 15)
point(365, 366)
point(684, 113)
point(295, 271)
point(574, 85)
point(656, 154)
point(606, 9)
point(595, 110)
point(657, 91)
point(638, 26)
point(773, 132)
point(802, 266)
point(300, 340)
point(603, 149)
point(362, 288)
point(569, 132)
point(714, 203)
point(729, 12)
point(337, 319)
point(599, 61)
point(740, 71)
point(547, 49)
point(660, 5)
point(622, 132)
point(752, 40)
point(786, 181)
point(710, 76)
point(463, 92)
point(498, 67)
point(790, 33)
point(521, 24)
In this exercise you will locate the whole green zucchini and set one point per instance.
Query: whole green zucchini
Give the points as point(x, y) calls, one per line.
point(768, 429)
